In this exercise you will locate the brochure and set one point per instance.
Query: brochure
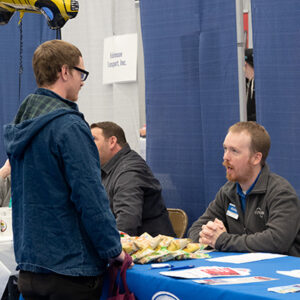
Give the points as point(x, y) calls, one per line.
point(246, 258)
point(292, 273)
point(207, 272)
point(237, 280)
point(285, 289)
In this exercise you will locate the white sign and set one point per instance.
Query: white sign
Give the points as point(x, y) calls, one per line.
point(120, 58)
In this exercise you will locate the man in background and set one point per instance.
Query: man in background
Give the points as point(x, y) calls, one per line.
point(250, 87)
point(256, 210)
point(5, 184)
point(134, 193)
point(64, 232)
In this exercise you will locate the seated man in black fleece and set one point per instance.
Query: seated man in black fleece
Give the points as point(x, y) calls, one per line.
point(256, 210)
point(134, 193)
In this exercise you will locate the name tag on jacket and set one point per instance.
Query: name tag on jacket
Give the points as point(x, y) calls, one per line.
point(232, 211)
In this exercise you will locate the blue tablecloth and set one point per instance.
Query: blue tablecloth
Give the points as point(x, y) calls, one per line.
point(145, 283)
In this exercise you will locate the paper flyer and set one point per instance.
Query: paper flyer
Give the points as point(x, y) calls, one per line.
point(237, 280)
point(285, 289)
point(207, 272)
point(292, 273)
point(246, 258)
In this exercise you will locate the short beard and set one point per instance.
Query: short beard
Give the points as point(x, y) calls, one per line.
point(235, 178)
point(228, 177)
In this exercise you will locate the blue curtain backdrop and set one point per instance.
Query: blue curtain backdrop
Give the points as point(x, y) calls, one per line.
point(276, 35)
point(191, 96)
point(12, 90)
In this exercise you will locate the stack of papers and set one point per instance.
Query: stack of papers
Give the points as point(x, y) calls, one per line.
point(246, 258)
point(285, 289)
point(237, 280)
point(207, 272)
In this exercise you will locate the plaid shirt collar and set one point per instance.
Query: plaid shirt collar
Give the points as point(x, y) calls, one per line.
point(43, 101)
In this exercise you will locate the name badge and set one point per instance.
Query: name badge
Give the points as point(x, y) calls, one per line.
point(232, 211)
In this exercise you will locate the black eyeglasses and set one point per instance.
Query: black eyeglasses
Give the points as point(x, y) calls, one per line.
point(84, 73)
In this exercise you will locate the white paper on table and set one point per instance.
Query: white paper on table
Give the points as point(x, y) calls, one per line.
point(292, 273)
point(236, 280)
point(4, 276)
point(285, 289)
point(245, 258)
point(207, 272)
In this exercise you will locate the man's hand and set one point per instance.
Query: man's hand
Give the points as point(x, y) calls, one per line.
point(120, 259)
point(219, 223)
point(211, 231)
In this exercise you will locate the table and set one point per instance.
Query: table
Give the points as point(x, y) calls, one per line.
point(145, 283)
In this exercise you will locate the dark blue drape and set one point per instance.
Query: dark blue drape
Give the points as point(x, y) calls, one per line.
point(12, 90)
point(276, 36)
point(191, 96)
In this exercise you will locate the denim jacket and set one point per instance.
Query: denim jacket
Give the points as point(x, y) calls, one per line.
point(62, 222)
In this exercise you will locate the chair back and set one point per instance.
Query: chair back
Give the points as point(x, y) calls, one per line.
point(179, 220)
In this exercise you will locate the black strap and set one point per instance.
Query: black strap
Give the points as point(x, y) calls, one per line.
point(58, 34)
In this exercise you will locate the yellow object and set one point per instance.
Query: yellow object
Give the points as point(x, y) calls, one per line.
point(192, 247)
point(178, 244)
point(165, 241)
point(128, 245)
point(145, 248)
point(21, 17)
point(57, 12)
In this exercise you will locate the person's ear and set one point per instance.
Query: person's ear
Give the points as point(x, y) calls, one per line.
point(256, 158)
point(64, 72)
point(112, 142)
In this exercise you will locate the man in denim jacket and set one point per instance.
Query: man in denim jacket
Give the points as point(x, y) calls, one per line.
point(64, 231)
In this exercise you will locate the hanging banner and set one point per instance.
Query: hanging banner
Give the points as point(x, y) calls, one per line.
point(120, 58)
